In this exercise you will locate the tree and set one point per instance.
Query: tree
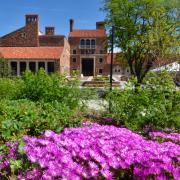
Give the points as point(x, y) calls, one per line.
point(145, 31)
point(4, 69)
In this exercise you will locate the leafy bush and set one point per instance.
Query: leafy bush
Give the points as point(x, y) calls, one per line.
point(40, 86)
point(24, 117)
point(155, 103)
point(10, 88)
point(4, 68)
point(36, 102)
point(91, 152)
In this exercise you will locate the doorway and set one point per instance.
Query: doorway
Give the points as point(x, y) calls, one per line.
point(87, 66)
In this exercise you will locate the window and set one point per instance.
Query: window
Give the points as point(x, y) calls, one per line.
point(100, 60)
point(115, 70)
point(74, 51)
point(93, 43)
point(74, 60)
point(88, 42)
point(127, 70)
point(82, 42)
point(100, 71)
point(119, 70)
point(41, 65)
point(14, 68)
point(22, 67)
point(32, 67)
point(51, 67)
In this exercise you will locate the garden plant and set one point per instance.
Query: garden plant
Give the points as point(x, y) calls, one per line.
point(45, 133)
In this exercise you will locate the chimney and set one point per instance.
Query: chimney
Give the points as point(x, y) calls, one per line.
point(31, 18)
point(71, 25)
point(50, 31)
point(100, 25)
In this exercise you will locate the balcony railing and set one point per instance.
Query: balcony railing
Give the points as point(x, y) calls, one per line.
point(87, 51)
point(87, 46)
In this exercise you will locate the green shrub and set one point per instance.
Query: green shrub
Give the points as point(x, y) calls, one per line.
point(10, 88)
point(38, 87)
point(24, 117)
point(155, 103)
point(4, 68)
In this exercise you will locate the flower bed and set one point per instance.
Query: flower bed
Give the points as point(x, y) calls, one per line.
point(95, 151)
point(163, 136)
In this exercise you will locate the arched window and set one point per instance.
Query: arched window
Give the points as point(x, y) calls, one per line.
point(93, 42)
point(87, 42)
point(82, 42)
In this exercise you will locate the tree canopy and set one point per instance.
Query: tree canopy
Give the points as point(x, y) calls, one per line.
point(146, 31)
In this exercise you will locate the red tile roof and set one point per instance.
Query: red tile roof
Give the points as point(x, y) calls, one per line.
point(31, 52)
point(88, 33)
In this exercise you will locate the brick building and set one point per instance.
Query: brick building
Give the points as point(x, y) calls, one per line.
point(27, 48)
point(85, 50)
point(88, 50)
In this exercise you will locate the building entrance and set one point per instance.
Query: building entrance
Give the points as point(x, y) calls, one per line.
point(87, 66)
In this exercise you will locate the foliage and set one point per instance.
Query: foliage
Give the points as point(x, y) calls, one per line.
point(24, 117)
point(176, 77)
point(42, 87)
point(91, 152)
point(4, 69)
point(10, 88)
point(155, 103)
point(101, 78)
point(145, 31)
point(35, 102)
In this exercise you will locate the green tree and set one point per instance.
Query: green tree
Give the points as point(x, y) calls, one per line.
point(4, 69)
point(145, 31)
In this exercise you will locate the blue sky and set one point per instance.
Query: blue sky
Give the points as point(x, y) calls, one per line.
point(52, 13)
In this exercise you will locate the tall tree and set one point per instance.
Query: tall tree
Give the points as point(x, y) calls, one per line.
point(145, 30)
